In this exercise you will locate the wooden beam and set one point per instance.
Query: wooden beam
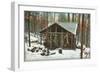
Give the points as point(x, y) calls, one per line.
point(56, 37)
point(50, 39)
point(62, 38)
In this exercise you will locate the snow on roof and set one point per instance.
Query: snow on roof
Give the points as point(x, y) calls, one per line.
point(71, 27)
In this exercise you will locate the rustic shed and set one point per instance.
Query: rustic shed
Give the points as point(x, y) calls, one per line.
point(60, 35)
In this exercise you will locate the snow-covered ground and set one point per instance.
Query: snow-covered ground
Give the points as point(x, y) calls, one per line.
point(66, 54)
point(54, 54)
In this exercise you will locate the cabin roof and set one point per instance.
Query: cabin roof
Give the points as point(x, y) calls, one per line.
point(71, 27)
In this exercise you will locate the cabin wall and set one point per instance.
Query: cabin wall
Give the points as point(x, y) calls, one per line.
point(65, 40)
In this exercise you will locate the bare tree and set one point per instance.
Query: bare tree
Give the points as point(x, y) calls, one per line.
point(68, 17)
point(29, 28)
point(82, 36)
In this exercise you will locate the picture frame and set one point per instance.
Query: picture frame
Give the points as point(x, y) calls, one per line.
point(18, 58)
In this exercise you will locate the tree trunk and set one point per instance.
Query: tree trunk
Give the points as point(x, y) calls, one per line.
point(82, 36)
point(73, 18)
point(68, 17)
point(29, 28)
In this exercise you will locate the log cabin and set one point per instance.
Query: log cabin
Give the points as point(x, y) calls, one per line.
point(60, 35)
